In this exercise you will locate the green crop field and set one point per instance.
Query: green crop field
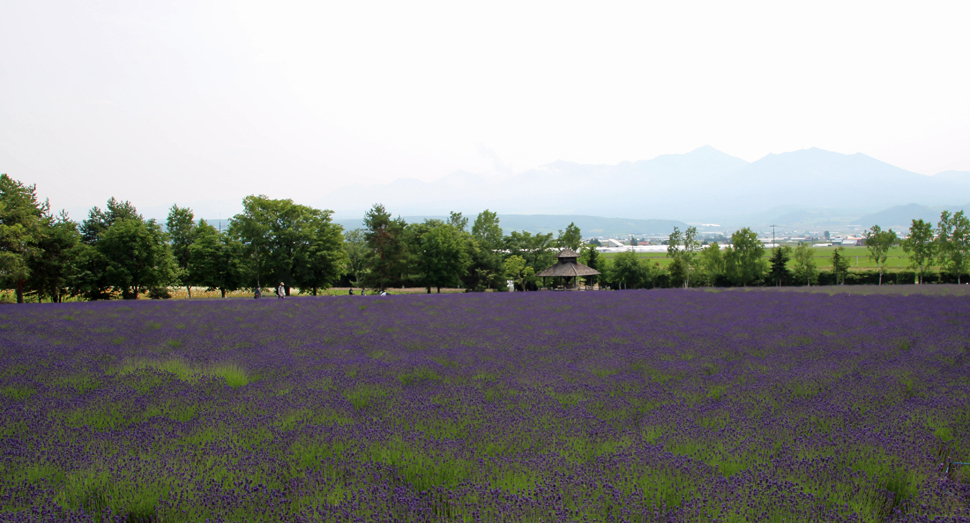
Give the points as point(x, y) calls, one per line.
point(858, 258)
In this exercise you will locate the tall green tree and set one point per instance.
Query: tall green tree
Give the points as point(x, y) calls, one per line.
point(439, 253)
point(627, 271)
point(53, 266)
point(293, 244)
point(960, 261)
point(780, 275)
point(320, 258)
point(22, 220)
point(252, 229)
point(590, 257)
point(459, 222)
point(91, 279)
point(879, 242)
point(487, 230)
point(745, 260)
point(355, 246)
point(486, 269)
point(138, 256)
point(953, 243)
point(840, 265)
point(387, 250)
point(215, 260)
point(920, 247)
point(571, 238)
point(537, 249)
point(181, 232)
point(806, 270)
point(682, 248)
point(518, 270)
point(99, 221)
point(712, 263)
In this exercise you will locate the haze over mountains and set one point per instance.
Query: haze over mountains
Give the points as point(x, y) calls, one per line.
point(810, 187)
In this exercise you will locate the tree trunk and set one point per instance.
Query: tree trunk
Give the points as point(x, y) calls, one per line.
point(439, 289)
point(20, 291)
point(188, 290)
point(880, 276)
point(223, 292)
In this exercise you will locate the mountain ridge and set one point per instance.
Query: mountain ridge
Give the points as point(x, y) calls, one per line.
point(703, 185)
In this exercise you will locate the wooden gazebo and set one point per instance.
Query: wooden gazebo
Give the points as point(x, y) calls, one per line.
point(569, 269)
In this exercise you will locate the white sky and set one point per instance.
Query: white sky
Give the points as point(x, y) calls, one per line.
point(203, 102)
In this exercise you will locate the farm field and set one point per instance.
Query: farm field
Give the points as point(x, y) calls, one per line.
point(662, 405)
point(858, 257)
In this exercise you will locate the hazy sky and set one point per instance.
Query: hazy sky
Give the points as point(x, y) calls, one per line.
point(201, 103)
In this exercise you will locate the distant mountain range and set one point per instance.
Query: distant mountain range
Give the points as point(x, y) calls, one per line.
point(806, 188)
point(546, 223)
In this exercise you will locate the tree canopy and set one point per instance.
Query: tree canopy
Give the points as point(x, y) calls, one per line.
point(879, 242)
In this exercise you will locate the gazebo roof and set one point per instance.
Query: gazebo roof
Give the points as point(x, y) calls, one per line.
point(568, 266)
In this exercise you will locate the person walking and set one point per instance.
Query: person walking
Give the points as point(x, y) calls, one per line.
point(281, 291)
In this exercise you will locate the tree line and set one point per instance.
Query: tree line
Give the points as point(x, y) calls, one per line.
point(116, 252)
point(745, 260)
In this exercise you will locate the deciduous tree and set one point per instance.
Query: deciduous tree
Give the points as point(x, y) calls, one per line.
point(879, 242)
point(181, 232)
point(355, 245)
point(712, 263)
point(138, 256)
point(627, 271)
point(920, 247)
point(320, 258)
point(252, 229)
point(387, 252)
point(683, 247)
point(589, 256)
point(294, 244)
point(518, 270)
point(571, 238)
point(487, 231)
point(537, 250)
point(806, 269)
point(215, 260)
point(953, 243)
point(745, 260)
point(440, 254)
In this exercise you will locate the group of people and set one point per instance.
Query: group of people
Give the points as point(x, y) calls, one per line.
point(281, 292)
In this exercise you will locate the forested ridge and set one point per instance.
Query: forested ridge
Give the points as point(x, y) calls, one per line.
point(117, 253)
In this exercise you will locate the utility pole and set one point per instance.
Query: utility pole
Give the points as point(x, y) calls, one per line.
point(773, 235)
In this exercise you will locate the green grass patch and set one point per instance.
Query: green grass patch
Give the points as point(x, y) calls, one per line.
point(17, 393)
point(234, 375)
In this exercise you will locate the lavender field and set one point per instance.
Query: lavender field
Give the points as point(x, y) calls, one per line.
point(663, 405)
